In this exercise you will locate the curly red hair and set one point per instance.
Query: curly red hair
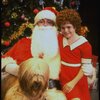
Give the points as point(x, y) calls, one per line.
point(71, 16)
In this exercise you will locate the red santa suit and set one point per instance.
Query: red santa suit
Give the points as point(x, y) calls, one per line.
point(18, 53)
point(43, 43)
point(22, 51)
point(72, 57)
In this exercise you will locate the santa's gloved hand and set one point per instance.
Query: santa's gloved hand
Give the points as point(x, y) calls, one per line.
point(12, 69)
point(54, 84)
point(5, 61)
point(92, 78)
point(87, 69)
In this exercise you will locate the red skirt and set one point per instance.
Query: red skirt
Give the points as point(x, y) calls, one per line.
point(81, 88)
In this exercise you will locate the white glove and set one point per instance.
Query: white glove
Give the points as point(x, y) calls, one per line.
point(92, 78)
point(12, 69)
point(87, 69)
point(7, 60)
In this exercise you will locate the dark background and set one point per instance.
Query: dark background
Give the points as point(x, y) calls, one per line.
point(90, 14)
point(89, 11)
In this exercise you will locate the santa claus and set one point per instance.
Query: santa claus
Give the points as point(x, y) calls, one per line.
point(43, 44)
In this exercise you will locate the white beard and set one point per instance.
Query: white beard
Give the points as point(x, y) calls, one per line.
point(44, 40)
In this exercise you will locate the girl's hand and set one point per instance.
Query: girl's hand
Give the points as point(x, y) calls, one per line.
point(68, 87)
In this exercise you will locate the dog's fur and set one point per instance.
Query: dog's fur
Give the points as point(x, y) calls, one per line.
point(6, 84)
point(30, 84)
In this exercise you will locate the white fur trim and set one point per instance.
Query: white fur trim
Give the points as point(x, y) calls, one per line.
point(7, 60)
point(45, 14)
point(86, 60)
point(54, 66)
point(80, 41)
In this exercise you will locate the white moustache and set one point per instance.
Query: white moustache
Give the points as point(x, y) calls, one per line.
point(45, 28)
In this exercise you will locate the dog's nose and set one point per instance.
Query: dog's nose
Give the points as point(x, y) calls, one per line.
point(36, 85)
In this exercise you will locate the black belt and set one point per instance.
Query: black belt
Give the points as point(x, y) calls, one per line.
point(54, 84)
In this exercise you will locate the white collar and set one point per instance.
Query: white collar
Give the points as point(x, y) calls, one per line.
point(80, 41)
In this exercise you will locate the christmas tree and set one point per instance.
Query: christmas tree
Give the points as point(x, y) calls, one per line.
point(17, 17)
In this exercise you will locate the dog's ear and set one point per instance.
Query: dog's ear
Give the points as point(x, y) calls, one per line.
point(6, 84)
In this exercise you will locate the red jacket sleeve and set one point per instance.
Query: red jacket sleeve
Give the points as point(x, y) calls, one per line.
point(12, 50)
point(86, 50)
point(19, 51)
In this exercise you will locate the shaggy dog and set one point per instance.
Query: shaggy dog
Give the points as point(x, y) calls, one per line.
point(30, 84)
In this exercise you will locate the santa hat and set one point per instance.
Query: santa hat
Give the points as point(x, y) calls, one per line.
point(52, 9)
point(45, 14)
